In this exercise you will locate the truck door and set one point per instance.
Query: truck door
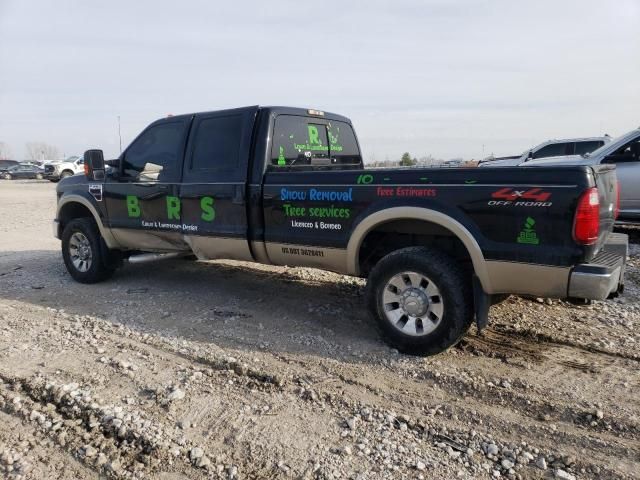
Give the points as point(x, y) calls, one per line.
point(214, 189)
point(627, 161)
point(142, 201)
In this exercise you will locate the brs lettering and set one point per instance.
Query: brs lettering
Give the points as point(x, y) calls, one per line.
point(207, 210)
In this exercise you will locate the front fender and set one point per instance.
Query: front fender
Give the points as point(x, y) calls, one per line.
point(67, 199)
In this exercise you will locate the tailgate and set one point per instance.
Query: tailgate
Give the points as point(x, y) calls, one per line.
point(607, 183)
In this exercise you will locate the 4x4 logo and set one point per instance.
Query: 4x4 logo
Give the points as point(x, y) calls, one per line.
point(511, 194)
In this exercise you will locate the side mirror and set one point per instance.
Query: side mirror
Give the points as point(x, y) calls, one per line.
point(94, 165)
point(530, 156)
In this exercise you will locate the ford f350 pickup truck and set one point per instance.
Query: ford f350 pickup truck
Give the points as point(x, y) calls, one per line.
point(287, 186)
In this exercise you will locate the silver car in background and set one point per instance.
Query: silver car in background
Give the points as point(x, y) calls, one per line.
point(624, 153)
point(550, 148)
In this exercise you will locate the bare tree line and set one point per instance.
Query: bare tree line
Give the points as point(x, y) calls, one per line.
point(34, 151)
point(41, 151)
point(5, 151)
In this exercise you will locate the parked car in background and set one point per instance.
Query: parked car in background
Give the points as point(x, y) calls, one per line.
point(451, 164)
point(23, 170)
point(550, 148)
point(624, 153)
point(55, 171)
point(6, 165)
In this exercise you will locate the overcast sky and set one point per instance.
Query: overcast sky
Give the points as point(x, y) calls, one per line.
point(429, 77)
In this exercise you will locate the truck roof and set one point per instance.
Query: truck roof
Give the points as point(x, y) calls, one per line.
point(271, 110)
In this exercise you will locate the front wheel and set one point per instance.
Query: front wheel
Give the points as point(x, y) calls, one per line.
point(421, 299)
point(83, 253)
point(7, 176)
point(39, 176)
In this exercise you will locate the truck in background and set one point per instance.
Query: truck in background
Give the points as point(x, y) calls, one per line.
point(57, 170)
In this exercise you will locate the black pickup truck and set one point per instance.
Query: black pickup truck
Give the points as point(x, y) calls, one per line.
point(287, 186)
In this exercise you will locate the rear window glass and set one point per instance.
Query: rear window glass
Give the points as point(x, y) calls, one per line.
point(342, 144)
point(304, 141)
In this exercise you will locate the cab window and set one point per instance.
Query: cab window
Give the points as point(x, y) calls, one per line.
point(154, 155)
point(306, 141)
point(630, 152)
point(587, 147)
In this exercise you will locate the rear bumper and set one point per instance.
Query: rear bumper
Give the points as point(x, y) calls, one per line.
point(604, 275)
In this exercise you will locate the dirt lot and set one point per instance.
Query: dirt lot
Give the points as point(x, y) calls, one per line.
point(232, 370)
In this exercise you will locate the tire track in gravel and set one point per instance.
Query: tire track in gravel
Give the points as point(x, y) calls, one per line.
point(506, 338)
point(476, 404)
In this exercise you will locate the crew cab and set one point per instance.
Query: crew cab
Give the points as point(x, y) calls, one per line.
point(287, 186)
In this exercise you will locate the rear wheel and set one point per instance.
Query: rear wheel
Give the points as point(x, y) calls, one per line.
point(421, 300)
point(7, 176)
point(65, 174)
point(39, 176)
point(84, 254)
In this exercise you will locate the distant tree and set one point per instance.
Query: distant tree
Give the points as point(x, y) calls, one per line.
point(5, 151)
point(407, 161)
point(41, 151)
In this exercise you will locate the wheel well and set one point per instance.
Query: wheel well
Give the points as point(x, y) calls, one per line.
point(396, 234)
point(71, 211)
point(67, 170)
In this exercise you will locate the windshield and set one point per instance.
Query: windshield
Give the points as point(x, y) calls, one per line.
point(614, 144)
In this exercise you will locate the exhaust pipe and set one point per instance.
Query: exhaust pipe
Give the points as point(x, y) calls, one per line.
point(152, 257)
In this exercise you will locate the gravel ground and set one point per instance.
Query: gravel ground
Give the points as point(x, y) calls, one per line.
point(184, 369)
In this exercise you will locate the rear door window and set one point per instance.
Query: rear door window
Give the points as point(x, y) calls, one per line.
point(217, 143)
point(569, 148)
point(552, 150)
point(307, 141)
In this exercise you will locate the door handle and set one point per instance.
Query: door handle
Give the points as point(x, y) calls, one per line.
point(160, 191)
point(238, 195)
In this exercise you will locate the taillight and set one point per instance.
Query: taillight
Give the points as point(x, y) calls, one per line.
point(86, 169)
point(616, 212)
point(587, 222)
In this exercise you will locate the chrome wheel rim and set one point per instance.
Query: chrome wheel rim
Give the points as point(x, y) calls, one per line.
point(412, 303)
point(80, 252)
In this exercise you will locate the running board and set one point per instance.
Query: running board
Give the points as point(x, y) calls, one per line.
point(152, 257)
